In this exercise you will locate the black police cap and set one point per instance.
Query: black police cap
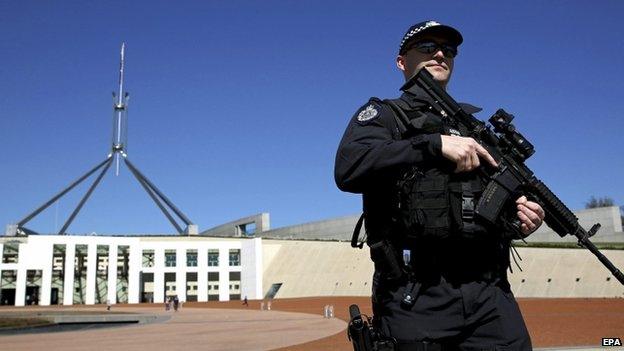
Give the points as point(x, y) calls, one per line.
point(430, 27)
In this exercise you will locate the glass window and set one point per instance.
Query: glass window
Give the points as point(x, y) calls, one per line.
point(58, 274)
point(170, 258)
point(235, 257)
point(213, 276)
point(81, 261)
point(101, 275)
point(248, 229)
point(123, 266)
point(170, 284)
point(213, 286)
point(148, 258)
point(191, 258)
point(213, 257)
point(102, 258)
point(191, 286)
point(9, 252)
point(58, 258)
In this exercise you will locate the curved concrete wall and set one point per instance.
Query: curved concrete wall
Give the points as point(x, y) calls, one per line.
point(308, 266)
point(341, 228)
point(566, 273)
point(315, 268)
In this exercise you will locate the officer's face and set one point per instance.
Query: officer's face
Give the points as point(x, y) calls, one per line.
point(437, 63)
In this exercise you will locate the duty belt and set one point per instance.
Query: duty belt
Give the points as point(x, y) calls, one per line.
point(452, 266)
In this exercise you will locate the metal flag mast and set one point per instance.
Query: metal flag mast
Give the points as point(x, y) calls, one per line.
point(118, 152)
point(120, 115)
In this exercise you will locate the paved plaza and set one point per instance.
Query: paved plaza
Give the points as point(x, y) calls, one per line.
point(291, 325)
point(188, 329)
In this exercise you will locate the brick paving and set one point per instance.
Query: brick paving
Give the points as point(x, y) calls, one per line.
point(298, 325)
point(553, 323)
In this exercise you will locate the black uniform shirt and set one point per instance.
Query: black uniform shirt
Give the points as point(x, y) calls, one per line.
point(372, 145)
point(369, 149)
point(373, 154)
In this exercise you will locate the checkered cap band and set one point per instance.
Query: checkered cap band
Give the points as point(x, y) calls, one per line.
point(451, 33)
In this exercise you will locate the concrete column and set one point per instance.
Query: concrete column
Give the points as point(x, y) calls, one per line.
point(20, 284)
point(68, 282)
point(91, 271)
point(111, 294)
point(159, 275)
point(202, 274)
point(224, 274)
point(134, 273)
point(46, 277)
point(265, 223)
point(181, 274)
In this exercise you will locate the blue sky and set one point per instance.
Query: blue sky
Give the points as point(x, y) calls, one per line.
point(237, 107)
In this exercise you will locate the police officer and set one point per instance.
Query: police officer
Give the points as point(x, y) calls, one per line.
point(440, 279)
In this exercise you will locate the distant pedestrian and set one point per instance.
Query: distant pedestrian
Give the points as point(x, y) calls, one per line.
point(245, 302)
point(176, 303)
point(168, 304)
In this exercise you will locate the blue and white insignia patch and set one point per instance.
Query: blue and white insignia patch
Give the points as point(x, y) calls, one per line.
point(369, 112)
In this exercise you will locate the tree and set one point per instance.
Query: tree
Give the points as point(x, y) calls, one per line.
point(599, 202)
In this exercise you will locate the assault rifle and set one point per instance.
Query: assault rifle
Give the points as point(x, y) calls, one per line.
point(512, 178)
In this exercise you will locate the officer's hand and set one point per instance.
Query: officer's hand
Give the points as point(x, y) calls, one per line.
point(465, 152)
point(530, 214)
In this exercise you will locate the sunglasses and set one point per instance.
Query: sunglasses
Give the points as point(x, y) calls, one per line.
point(430, 47)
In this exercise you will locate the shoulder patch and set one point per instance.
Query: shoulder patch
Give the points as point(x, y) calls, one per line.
point(369, 112)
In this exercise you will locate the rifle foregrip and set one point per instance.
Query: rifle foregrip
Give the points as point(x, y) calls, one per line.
point(558, 215)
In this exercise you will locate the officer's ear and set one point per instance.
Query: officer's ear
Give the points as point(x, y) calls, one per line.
point(400, 62)
point(402, 65)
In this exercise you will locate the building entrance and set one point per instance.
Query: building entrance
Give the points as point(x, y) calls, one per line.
point(32, 295)
point(7, 297)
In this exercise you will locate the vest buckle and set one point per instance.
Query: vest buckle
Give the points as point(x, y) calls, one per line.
point(468, 207)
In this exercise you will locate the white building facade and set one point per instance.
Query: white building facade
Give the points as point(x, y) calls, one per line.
point(67, 270)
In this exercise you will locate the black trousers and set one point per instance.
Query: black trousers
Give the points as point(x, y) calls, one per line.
point(471, 315)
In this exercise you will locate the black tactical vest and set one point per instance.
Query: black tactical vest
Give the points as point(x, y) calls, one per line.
point(433, 202)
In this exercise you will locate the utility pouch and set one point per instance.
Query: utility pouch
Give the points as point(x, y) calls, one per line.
point(423, 205)
point(386, 260)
